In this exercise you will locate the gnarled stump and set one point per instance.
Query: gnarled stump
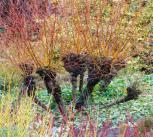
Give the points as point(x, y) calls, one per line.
point(99, 68)
point(132, 94)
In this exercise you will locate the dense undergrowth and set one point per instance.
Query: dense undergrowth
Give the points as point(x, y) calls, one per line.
point(29, 119)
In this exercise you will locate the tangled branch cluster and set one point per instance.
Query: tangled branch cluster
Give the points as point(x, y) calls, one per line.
point(98, 36)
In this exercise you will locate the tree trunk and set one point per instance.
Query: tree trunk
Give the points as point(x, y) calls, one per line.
point(75, 64)
point(74, 86)
point(53, 88)
point(81, 82)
